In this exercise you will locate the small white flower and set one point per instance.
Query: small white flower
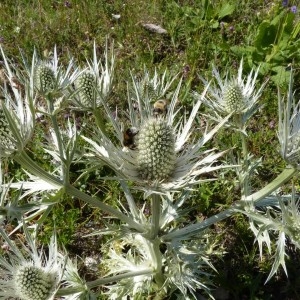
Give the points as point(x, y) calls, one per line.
point(31, 276)
point(163, 160)
point(234, 95)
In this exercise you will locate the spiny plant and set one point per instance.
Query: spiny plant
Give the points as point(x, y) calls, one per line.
point(159, 162)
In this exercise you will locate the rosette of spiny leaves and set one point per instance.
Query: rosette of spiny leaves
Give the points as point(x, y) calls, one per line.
point(141, 265)
point(133, 258)
point(94, 82)
point(275, 216)
point(165, 158)
point(233, 95)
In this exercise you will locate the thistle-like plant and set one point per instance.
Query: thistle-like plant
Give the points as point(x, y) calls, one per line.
point(154, 249)
point(233, 95)
point(289, 126)
point(163, 160)
point(30, 276)
point(16, 111)
point(93, 84)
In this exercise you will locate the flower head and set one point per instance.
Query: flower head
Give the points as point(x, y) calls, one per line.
point(235, 95)
point(45, 78)
point(162, 159)
point(156, 150)
point(294, 9)
point(93, 84)
point(30, 277)
point(48, 77)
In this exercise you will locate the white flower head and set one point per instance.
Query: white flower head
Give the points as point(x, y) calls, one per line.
point(30, 276)
point(48, 76)
point(233, 95)
point(94, 82)
point(160, 158)
point(289, 127)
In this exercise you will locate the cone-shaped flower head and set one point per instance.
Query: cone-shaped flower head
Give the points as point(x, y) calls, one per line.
point(44, 78)
point(233, 98)
point(156, 150)
point(30, 277)
point(233, 95)
point(289, 127)
point(50, 78)
point(86, 84)
point(94, 82)
point(6, 138)
point(33, 283)
point(161, 159)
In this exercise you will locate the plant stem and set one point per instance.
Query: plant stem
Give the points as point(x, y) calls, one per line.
point(282, 178)
point(155, 204)
point(65, 170)
point(102, 281)
point(25, 161)
point(97, 203)
point(193, 229)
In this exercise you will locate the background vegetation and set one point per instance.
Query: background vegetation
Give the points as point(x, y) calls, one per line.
point(198, 34)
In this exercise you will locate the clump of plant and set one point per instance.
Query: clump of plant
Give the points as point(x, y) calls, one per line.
point(275, 44)
point(157, 159)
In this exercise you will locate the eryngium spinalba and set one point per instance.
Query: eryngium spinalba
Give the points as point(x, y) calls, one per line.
point(44, 78)
point(156, 150)
point(86, 84)
point(29, 274)
point(33, 283)
point(233, 97)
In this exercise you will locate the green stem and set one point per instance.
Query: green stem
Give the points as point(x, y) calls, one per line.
point(186, 232)
point(95, 202)
point(65, 169)
point(282, 178)
point(25, 161)
point(193, 229)
point(155, 203)
point(99, 120)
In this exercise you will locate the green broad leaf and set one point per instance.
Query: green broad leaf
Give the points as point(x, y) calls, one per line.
point(289, 23)
point(242, 51)
point(266, 35)
point(226, 10)
point(264, 68)
point(282, 76)
point(214, 25)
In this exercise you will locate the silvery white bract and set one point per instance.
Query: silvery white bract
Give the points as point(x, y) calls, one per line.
point(233, 95)
point(190, 161)
point(289, 126)
point(30, 276)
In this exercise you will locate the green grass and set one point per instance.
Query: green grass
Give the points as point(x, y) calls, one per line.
point(200, 33)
